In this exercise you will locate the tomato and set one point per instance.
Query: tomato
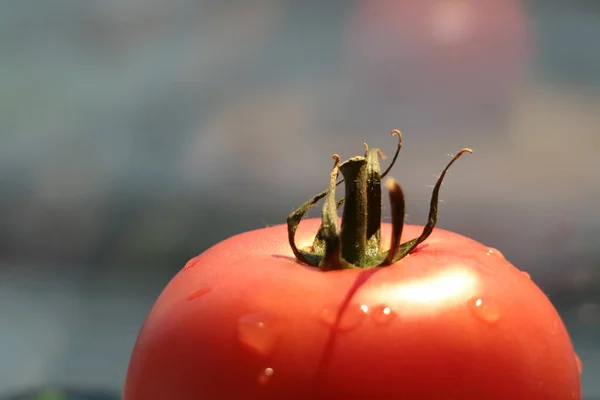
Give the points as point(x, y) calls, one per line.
point(449, 319)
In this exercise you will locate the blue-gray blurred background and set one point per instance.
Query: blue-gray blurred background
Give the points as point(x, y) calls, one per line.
point(136, 133)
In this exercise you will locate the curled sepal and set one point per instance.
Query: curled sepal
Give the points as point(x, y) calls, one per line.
point(313, 257)
point(406, 248)
point(293, 220)
point(395, 132)
point(318, 245)
point(397, 205)
point(330, 227)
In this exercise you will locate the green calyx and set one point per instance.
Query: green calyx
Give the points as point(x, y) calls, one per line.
point(357, 242)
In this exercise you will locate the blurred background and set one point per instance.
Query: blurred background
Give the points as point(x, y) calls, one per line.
point(135, 134)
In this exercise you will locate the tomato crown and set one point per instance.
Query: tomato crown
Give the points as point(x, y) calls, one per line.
point(357, 242)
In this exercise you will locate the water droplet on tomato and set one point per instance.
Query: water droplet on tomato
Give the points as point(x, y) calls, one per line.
point(265, 376)
point(495, 252)
point(526, 274)
point(579, 364)
point(257, 333)
point(382, 314)
point(484, 309)
point(198, 293)
point(351, 317)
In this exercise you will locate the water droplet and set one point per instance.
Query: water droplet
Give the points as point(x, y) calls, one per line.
point(484, 310)
point(198, 293)
point(579, 364)
point(351, 317)
point(495, 252)
point(257, 332)
point(382, 314)
point(526, 274)
point(265, 376)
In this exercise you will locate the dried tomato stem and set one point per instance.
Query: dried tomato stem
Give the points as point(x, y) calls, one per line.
point(357, 243)
point(354, 218)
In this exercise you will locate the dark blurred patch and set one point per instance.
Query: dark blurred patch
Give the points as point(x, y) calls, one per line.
point(60, 393)
point(132, 229)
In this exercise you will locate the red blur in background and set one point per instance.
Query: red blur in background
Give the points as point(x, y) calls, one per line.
point(441, 49)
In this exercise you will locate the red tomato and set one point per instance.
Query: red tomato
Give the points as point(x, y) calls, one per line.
point(452, 320)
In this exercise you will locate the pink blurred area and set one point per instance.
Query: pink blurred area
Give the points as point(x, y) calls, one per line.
point(460, 52)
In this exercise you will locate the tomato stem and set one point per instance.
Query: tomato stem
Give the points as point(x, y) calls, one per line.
point(355, 215)
point(357, 244)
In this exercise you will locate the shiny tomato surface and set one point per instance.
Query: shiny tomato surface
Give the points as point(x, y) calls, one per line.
point(453, 320)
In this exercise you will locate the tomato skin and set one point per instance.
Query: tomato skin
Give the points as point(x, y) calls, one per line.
point(244, 320)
